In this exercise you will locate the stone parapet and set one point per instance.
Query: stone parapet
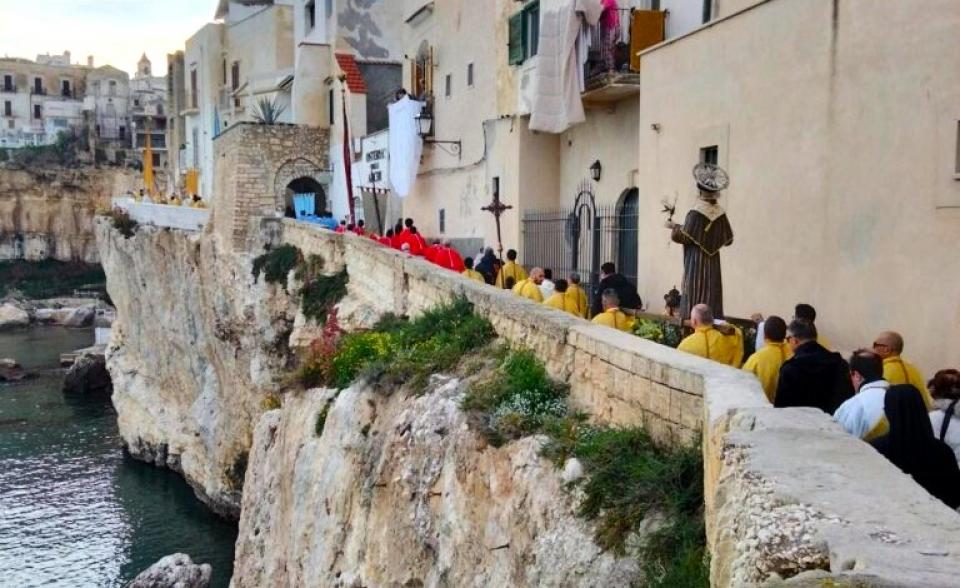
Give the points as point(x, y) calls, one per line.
point(789, 495)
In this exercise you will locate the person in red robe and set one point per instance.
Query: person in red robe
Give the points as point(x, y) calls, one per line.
point(449, 258)
point(431, 252)
point(387, 240)
point(360, 228)
point(342, 227)
point(418, 245)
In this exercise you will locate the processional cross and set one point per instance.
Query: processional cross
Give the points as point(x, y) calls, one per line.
point(497, 208)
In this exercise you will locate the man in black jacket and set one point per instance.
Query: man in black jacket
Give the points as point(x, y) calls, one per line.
point(814, 376)
point(611, 280)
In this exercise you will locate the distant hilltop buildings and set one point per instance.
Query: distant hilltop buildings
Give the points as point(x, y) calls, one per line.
point(52, 95)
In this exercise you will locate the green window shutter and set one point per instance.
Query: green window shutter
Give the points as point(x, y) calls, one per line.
point(516, 51)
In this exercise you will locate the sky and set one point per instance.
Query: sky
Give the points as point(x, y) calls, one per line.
point(115, 32)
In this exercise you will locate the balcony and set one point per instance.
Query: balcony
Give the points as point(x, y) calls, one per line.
point(38, 91)
point(8, 88)
point(612, 70)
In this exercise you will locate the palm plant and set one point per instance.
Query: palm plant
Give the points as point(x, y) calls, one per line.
point(268, 111)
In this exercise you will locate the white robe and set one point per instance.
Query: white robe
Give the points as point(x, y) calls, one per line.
point(405, 144)
point(557, 104)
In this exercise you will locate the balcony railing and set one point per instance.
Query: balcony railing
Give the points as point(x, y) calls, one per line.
point(38, 91)
point(612, 70)
point(8, 88)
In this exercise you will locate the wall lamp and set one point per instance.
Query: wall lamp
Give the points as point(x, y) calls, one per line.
point(596, 170)
point(425, 128)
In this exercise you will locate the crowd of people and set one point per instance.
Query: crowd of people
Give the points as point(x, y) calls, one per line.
point(876, 395)
point(614, 304)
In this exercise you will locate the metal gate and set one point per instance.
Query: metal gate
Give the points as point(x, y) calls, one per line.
point(580, 239)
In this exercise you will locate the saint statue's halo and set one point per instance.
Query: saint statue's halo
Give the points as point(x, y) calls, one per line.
point(710, 177)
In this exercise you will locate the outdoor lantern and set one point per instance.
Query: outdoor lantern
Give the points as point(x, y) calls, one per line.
point(425, 124)
point(595, 170)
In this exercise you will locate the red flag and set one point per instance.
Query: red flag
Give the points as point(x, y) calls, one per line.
point(348, 160)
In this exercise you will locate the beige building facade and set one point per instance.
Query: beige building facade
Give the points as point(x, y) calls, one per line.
point(841, 144)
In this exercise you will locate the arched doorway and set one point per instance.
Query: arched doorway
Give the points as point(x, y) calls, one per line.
point(305, 185)
point(628, 223)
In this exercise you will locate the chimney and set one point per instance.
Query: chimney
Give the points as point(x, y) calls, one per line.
point(89, 60)
point(66, 55)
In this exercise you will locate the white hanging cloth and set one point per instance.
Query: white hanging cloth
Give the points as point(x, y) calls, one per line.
point(405, 144)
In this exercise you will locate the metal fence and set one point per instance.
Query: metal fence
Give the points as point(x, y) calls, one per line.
point(582, 238)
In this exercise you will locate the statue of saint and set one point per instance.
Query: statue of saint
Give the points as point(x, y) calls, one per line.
point(705, 231)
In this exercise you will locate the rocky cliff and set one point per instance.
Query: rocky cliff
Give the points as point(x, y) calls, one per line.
point(375, 489)
point(49, 214)
point(197, 348)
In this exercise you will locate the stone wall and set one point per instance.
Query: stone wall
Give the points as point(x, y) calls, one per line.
point(49, 214)
point(788, 493)
point(253, 164)
point(164, 215)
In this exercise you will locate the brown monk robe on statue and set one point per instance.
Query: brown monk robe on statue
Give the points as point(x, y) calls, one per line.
point(705, 231)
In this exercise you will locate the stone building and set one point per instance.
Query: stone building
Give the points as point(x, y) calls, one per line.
point(108, 104)
point(148, 116)
point(39, 99)
point(176, 122)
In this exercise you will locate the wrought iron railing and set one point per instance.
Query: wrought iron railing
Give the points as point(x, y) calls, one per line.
point(568, 240)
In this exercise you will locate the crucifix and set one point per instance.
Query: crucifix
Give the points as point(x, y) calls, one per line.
point(497, 208)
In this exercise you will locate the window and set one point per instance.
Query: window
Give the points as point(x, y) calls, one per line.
point(38, 85)
point(311, 15)
point(136, 102)
point(123, 132)
point(113, 88)
point(957, 168)
point(707, 10)
point(8, 83)
point(443, 221)
point(65, 88)
point(448, 86)
point(469, 75)
point(710, 155)
point(156, 160)
point(7, 108)
point(11, 124)
point(37, 111)
point(193, 88)
point(160, 109)
point(524, 34)
point(235, 81)
point(330, 106)
point(224, 72)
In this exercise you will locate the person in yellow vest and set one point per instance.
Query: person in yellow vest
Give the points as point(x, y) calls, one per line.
point(577, 297)
point(559, 298)
point(889, 345)
point(471, 273)
point(530, 287)
point(612, 316)
point(511, 269)
point(722, 343)
point(862, 415)
point(765, 363)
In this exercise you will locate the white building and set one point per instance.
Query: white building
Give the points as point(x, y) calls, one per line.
point(148, 117)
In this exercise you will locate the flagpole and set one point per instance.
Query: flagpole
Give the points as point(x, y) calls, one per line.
point(347, 155)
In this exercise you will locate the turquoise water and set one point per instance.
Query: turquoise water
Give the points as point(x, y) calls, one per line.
point(74, 510)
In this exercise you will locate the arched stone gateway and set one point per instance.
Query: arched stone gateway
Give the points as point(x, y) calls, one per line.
point(298, 171)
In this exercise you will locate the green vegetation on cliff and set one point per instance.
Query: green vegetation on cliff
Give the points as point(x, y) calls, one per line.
point(50, 278)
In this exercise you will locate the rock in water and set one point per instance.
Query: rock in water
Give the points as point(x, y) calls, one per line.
point(10, 371)
point(12, 317)
point(174, 571)
point(80, 317)
point(88, 375)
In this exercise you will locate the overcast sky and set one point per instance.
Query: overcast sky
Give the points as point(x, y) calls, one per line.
point(115, 32)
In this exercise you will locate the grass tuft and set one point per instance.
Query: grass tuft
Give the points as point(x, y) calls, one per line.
point(321, 293)
point(122, 222)
point(628, 480)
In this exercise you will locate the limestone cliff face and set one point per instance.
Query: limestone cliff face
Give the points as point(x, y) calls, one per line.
point(197, 346)
point(399, 491)
point(50, 214)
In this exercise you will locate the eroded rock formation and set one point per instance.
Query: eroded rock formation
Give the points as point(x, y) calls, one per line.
point(197, 346)
point(49, 214)
point(397, 490)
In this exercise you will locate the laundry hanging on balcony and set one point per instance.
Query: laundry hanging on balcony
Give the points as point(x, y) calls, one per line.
point(405, 145)
point(557, 104)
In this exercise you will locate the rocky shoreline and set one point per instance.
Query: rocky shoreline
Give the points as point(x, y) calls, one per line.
point(64, 312)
